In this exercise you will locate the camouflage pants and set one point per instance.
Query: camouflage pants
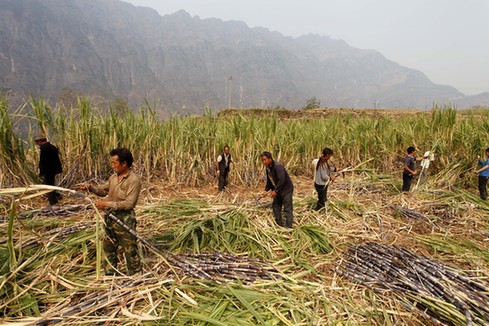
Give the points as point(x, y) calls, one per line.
point(118, 236)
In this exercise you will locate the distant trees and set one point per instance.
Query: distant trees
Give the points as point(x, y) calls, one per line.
point(312, 103)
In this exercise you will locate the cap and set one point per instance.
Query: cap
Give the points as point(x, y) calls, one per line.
point(40, 137)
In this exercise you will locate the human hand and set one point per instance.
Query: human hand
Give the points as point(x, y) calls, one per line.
point(273, 194)
point(84, 186)
point(101, 204)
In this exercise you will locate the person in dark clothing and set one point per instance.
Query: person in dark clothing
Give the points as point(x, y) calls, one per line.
point(281, 187)
point(323, 177)
point(483, 175)
point(49, 165)
point(409, 171)
point(222, 167)
point(409, 168)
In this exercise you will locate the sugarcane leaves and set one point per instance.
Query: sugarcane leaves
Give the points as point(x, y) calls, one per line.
point(248, 306)
point(11, 262)
point(204, 318)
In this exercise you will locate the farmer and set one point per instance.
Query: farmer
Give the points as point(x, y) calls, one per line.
point(323, 177)
point(222, 167)
point(49, 166)
point(122, 191)
point(278, 181)
point(409, 168)
point(483, 175)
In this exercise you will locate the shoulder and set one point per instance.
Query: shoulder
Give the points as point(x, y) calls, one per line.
point(133, 177)
point(112, 177)
point(47, 146)
point(219, 158)
point(278, 166)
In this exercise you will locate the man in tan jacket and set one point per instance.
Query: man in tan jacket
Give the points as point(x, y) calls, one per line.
point(122, 193)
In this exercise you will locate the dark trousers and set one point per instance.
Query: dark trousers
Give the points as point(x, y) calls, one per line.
point(117, 237)
point(322, 193)
point(284, 201)
point(406, 181)
point(483, 187)
point(53, 195)
point(223, 180)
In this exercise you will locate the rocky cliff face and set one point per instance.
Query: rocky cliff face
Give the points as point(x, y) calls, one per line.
point(113, 49)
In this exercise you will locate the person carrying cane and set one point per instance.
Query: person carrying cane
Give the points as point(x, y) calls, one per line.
point(122, 191)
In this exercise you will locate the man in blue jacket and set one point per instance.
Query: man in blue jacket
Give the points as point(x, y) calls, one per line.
point(483, 175)
point(281, 187)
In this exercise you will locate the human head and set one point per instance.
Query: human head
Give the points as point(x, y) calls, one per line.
point(327, 152)
point(487, 152)
point(266, 158)
point(411, 149)
point(121, 159)
point(226, 149)
point(40, 139)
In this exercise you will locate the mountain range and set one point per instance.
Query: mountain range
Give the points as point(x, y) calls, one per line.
point(112, 49)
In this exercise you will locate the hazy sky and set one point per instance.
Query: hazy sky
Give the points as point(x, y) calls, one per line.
point(448, 40)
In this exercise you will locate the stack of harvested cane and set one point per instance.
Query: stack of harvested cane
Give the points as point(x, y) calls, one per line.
point(439, 292)
point(217, 267)
point(222, 268)
point(409, 213)
point(58, 210)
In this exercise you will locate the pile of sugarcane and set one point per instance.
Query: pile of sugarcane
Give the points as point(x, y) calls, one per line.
point(439, 292)
point(223, 268)
point(409, 213)
point(218, 267)
point(443, 210)
point(360, 187)
point(57, 210)
point(98, 298)
point(57, 234)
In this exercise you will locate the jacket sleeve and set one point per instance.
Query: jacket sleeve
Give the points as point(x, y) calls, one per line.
point(101, 190)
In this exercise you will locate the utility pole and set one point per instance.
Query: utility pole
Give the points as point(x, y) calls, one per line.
point(230, 90)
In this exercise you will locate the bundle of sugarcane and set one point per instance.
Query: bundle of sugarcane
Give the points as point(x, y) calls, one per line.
point(444, 210)
point(217, 267)
point(57, 234)
point(361, 187)
point(409, 213)
point(57, 210)
point(222, 268)
point(439, 292)
point(99, 298)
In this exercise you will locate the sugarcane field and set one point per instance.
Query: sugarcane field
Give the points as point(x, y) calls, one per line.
point(213, 253)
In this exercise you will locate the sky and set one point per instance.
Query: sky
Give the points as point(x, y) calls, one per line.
point(448, 40)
